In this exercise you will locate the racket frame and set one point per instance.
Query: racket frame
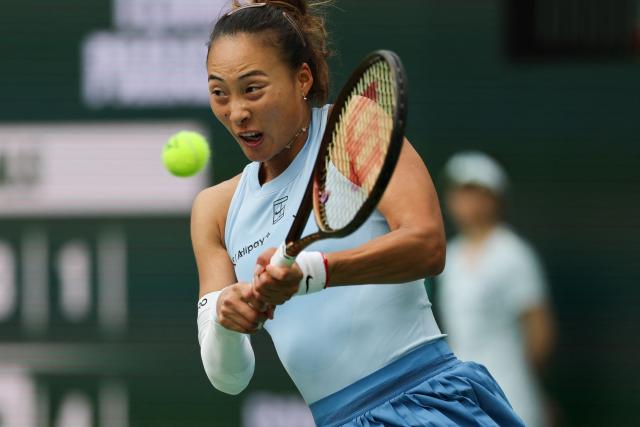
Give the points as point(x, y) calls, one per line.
point(294, 244)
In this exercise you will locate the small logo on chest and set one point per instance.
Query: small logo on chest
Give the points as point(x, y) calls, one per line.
point(278, 208)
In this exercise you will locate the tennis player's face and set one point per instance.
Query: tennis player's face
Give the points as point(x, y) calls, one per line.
point(472, 207)
point(256, 96)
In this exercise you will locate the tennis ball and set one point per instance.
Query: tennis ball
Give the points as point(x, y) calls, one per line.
point(186, 153)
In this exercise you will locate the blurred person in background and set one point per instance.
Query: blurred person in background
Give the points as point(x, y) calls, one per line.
point(492, 295)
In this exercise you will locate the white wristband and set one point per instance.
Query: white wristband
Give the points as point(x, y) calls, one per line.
point(315, 272)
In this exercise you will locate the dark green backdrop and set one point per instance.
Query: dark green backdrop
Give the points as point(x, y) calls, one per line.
point(566, 131)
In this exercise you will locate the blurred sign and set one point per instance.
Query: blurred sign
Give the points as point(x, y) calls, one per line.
point(167, 15)
point(265, 409)
point(93, 401)
point(155, 58)
point(134, 71)
point(88, 169)
point(18, 406)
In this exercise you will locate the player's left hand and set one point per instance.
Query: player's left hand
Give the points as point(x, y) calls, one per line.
point(272, 284)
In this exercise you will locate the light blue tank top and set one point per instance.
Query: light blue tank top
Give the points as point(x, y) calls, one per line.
point(332, 338)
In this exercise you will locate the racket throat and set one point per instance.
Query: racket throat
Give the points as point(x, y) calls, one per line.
point(292, 249)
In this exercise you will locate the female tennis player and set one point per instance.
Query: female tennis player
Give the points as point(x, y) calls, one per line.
point(361, 355)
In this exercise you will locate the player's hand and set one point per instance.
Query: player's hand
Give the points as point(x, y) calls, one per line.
point(272, 284)
point(238, 309)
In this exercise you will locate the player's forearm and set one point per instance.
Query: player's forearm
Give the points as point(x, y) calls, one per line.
point(227, 356)
point(228, 359)
point(402, 255)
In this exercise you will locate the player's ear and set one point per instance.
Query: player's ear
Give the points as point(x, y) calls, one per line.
point(305, 78)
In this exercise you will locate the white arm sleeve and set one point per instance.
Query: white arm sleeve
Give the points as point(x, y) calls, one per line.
point(227, 356)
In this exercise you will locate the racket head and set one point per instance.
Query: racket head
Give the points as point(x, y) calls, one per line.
point(361, 145)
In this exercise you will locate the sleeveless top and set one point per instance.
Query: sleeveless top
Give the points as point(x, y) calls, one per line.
point(332, 338)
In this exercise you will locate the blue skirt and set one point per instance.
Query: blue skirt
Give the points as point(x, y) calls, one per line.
point(428, 386)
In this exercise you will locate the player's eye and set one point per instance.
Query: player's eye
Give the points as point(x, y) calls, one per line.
point(253, 88)
point(216, 92)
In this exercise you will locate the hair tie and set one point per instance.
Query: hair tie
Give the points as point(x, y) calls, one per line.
point(246, 6)
point(295, 27)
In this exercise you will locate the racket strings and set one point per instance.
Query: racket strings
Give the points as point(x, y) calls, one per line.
point(359, 146)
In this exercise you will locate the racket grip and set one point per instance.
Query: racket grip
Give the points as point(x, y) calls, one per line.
point(280, 257)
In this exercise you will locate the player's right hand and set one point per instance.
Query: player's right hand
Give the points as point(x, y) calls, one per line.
point(273, 284)
point(239, 310)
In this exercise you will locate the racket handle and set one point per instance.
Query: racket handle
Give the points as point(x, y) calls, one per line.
point(280, 257)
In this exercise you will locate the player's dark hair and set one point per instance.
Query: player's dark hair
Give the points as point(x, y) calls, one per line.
point(289, 26)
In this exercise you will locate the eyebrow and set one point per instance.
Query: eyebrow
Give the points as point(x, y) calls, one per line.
point(243, 76)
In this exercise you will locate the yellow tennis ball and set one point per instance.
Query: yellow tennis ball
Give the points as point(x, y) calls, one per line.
point(186, 153)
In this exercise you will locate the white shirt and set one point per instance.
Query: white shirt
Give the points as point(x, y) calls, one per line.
point(482, 299)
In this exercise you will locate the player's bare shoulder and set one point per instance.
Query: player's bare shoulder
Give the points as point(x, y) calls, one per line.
point(218, 196)
point(211, 205)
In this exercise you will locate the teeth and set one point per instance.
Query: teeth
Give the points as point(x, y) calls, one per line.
point(250, 134)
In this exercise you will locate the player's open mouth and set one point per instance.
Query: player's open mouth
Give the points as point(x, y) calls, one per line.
point(252, 139)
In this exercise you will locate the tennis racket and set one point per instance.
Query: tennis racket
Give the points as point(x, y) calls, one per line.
point(357, 156)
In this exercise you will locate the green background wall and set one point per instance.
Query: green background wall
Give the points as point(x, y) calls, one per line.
point(566, 131)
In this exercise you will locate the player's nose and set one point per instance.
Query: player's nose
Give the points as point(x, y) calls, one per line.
point(239, 113)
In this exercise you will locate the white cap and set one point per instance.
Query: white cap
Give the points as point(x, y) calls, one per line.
point(476, 168)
